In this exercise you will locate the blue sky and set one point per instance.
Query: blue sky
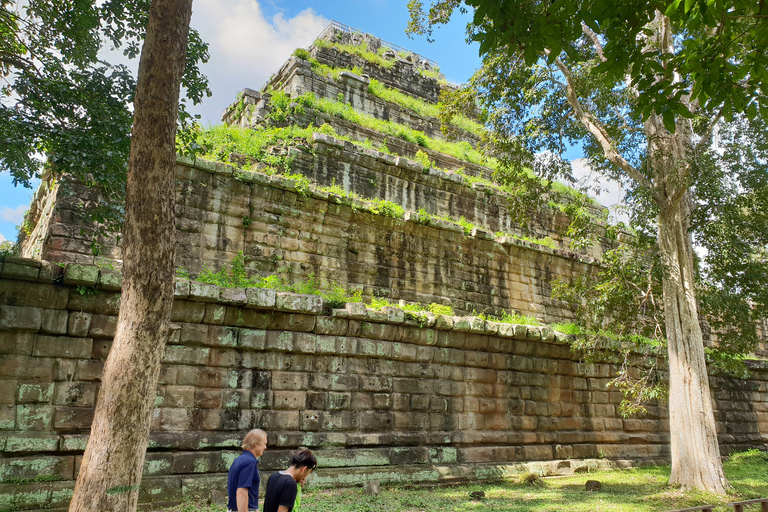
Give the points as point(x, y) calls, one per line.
point(249, 40)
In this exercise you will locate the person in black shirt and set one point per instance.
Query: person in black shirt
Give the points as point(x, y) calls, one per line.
point(281, 486)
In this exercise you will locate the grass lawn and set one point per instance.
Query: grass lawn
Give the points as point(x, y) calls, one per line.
point(636, 490)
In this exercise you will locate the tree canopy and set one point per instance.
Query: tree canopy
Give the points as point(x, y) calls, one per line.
point(61, 100)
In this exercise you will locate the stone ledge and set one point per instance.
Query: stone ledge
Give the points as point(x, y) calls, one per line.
point(12, 317)
point(282, 183)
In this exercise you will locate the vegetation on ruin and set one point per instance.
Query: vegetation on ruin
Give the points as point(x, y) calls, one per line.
point(237, 276)
point(421, 107)
point(361, 50)
point(509, 317)
point(437, 309)
point(392, 95)
point(633, 490)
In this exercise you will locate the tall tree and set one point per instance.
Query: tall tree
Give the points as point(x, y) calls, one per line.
point(644, 87)
point(111, 470)
point(61, 101)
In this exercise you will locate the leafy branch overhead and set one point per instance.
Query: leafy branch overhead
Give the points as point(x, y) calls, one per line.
point(719, 58)
point(67, 111)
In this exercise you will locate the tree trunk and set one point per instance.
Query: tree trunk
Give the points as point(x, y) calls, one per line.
point(110, 473)
point(694, 448)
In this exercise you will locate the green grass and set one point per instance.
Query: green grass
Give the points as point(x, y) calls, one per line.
point(437, 309)
point(237, 276)
point(420, 107)
point(510, 318)
point(361, 50)
point(636, 490)
point(392, 95)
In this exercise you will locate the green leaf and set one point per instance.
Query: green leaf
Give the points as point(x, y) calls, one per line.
point(668, 116)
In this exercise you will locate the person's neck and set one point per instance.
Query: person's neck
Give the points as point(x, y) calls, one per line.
point(294, 472)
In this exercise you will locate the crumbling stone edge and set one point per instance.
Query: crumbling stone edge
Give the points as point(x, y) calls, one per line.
point(100, 277)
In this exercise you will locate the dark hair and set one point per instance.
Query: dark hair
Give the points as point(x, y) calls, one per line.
point(304, 458)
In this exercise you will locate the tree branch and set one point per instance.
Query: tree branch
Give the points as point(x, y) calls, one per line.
point(598, 131)
point(595, 41)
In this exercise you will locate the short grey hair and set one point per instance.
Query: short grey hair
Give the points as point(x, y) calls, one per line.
point(251, 437)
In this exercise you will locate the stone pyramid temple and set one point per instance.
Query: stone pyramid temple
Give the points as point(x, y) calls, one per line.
point(338, 169)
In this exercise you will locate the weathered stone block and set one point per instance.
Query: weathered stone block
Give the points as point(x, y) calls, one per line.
point(280, 420)
point(304, 343)
point(242, 317)
point(13, 318)
point(253, 339)
point(54, 321)
point(110, 279)
point(8, 392)
point(330, 326)
point(25, 293)
point(260, 298)
point(102, 326)
point(25, 269)
point(233, 296)
point(89, 370)
point(61, 346)
point(177, 354)
point(203, 292)
point(27, 368)
point(102, 303)
point(82, 275)
point(33, 417)
point(171, 419)
point(78, 324)
point(290, 380)
point(281, 341)
point(289, 400)
point(34, 392)
point(194, 334)
point(67, 418)
point(215, 314)
point(18, 343)
point(7, 418)
point(32, 468)
point(187, 311)
point(31, 442)
point(75, 394)
point(299, 303)
point(157, 464)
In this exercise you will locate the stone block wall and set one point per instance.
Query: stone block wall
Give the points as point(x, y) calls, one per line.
point(296, 78)
point(283, 230)
point(378, 394)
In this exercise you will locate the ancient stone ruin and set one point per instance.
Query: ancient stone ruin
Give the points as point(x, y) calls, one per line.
point(378, 199)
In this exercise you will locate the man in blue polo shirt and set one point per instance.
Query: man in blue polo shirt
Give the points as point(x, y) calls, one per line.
point(243, 478)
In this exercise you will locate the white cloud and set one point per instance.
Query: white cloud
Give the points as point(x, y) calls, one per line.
point(245, 47)
point(2, 238)
point(609, 193)
point(15, 215)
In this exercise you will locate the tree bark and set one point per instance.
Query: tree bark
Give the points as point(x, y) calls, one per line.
point(694, 448)
point(110, 473)
point(693, 435)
